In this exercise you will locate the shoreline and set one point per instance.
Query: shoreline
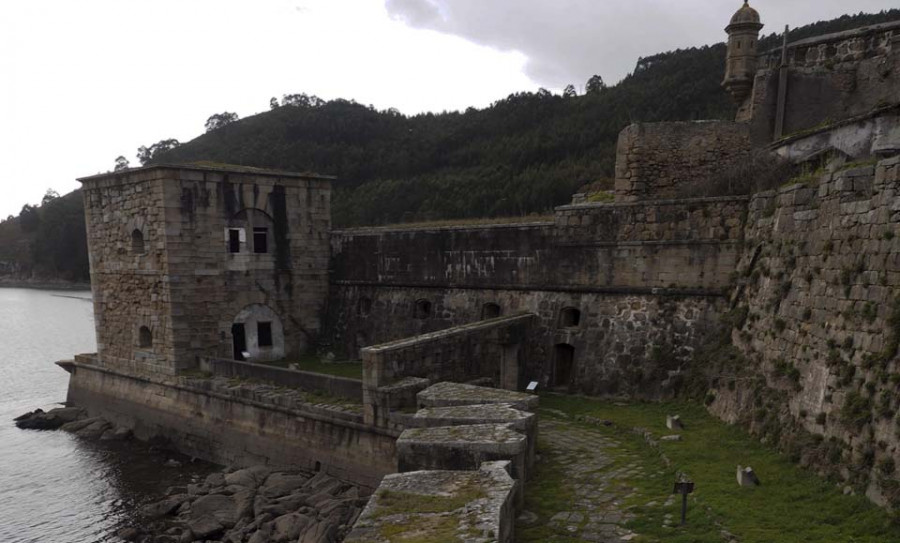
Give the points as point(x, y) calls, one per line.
point(46, 285)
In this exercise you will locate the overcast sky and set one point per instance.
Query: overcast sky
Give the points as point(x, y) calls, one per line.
point(84, 81)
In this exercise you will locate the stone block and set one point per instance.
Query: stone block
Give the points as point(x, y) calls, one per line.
point(452, 394)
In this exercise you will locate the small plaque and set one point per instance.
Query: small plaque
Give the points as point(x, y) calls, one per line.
point(532, 386)
point(685, 487)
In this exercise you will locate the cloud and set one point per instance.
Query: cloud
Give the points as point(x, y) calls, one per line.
point(567, 41)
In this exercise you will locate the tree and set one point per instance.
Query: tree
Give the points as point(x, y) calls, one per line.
point(49, 196)
point(218, 120)
point(594, 85)
point(302, 100)
point(29, 219)
point(273, 103)
point(569, 92)
point(121, 163)
point(147, 154)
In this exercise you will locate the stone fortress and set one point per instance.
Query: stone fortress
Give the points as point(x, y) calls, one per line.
point(203, 272)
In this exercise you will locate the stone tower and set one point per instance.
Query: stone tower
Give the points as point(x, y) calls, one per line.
point(740, 67)
point(205, 261)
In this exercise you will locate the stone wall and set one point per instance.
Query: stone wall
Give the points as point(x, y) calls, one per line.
point(318, 383)
point(186, 283)
point(819, 310)
point(230, 423)
point(661, 160)
point(830, 78)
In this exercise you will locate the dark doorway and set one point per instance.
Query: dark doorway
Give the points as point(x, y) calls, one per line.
point(490, 311)
point(234, 240)
point(563, 365)
point(264, 333)
point(240, 340)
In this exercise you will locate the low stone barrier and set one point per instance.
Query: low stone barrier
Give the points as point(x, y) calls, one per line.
point(330, 385)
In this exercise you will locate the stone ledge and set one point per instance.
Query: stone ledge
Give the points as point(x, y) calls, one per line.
point(476, 506)
point(457, 394)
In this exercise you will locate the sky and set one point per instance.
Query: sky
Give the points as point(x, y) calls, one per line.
point(84, 81)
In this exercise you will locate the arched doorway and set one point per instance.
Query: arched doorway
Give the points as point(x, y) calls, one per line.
point(563, 366)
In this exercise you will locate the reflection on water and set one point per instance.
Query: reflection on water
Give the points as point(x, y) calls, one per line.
point(55, 487)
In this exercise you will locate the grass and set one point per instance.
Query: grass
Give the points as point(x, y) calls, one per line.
point(315, 364)
point(791, 505)
point(467, 222)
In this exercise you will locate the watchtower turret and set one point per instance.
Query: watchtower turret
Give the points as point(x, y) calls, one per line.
point(740, 68)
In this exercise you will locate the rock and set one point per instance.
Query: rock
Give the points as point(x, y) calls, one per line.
point(323, 532)
point(215, 479)
point(251, 477)
point(217, 506)
point(674, 437)
point(164, 507)
point(674, 422)
point(51, 420)
point(289, 527)
point(77, 425)
point(747, 477)
point(93, 430)
point(281, 506)
point(262, 535)
point(172, 463)
point(282, 484)
point(205, 527)
point(128, 534)
point(197, 490)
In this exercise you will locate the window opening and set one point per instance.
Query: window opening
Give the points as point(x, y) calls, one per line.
point(234, 240)
point(137, 242)
point(569, 317)
point(145, 338)
point(490, 311)
point(264, 334)
point(260, 240)
point(423, 309)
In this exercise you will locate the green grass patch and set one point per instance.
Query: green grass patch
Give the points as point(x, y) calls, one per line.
point(350, 369)
point(791, 505)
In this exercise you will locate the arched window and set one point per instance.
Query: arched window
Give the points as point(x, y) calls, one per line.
point(490, 311)
point(145, 338)
point(569, 317)
point(423, 309)
point(137, 242)
point(363, 307)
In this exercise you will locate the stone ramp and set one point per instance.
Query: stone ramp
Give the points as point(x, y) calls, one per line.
point(597, 512)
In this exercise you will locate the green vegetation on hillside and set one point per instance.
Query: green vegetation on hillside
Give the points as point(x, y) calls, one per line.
point(524, 154)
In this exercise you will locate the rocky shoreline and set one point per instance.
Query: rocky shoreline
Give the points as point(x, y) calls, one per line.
point(257, 504)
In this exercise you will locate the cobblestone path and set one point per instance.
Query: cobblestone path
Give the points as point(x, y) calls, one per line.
point(596, 467)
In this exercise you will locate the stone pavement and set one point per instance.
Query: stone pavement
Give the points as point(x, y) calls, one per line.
point(597, 467)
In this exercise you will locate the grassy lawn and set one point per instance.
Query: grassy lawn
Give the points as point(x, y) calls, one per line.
point(314, 364)
point(791, 505)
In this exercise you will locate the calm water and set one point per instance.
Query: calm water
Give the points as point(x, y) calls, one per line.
point(56, 488)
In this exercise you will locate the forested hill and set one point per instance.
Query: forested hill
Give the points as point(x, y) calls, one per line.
point(524, 154)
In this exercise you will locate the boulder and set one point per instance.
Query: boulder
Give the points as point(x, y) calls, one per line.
point(674, 422)
point(93, 430)
point(289, 527)
point(282, 484)
point(51, 420)
point(220, 507)
point(205, 527)
point(674, 437)
point(116, 434)
point(251, 477)
point(322, 532)
point(77, 425)
point(215, 479)
point(163, 507)
point(747, 477)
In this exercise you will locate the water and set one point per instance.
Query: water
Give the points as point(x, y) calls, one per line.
point(54, 487)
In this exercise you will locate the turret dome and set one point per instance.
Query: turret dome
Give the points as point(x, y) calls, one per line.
point(745, 15)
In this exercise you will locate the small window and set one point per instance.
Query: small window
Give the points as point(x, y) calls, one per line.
point(260, 240)
point(739, 44)
point(137, 242)
point(569, 317)
point(234, 240)
point(145, 338)
point(490, 311)
point(423, 309)
point(364, 307)
point(264, 334)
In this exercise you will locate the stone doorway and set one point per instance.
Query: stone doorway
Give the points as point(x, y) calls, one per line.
point(239, 340)
point(563, 366)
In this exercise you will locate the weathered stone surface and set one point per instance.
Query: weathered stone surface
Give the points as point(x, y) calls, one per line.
point(251, 477)
point(205, 527)
point(51, 420)
point(289, 527)
point(448, 394)
point(479, 502)
point(218, 506)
